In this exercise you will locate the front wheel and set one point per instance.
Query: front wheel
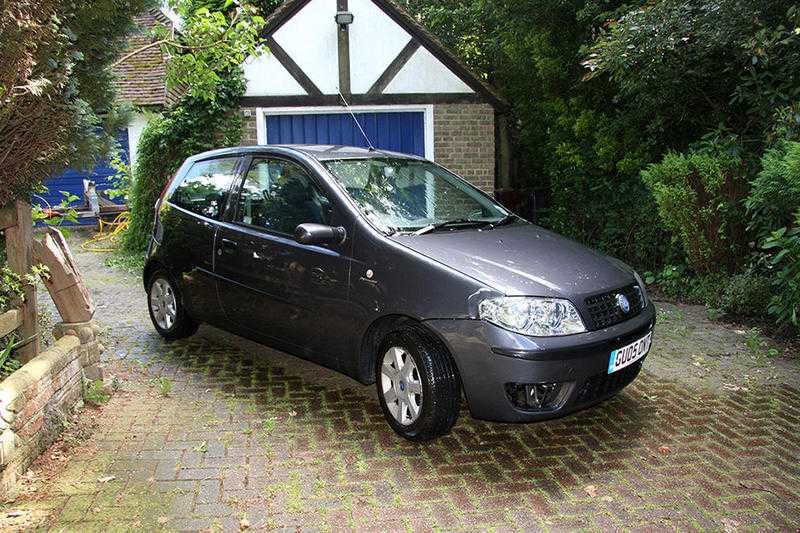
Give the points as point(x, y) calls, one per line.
point(418, 385)
point(166, 309)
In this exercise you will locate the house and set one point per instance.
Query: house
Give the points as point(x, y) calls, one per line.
point(141, 78)
point(141, 82)
point(402, 87)
point(407, 92)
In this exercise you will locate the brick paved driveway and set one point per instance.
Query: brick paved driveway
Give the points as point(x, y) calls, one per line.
point(707, 438)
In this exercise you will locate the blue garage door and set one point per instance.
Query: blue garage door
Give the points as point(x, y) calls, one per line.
point(400, 132)
point(71, 180)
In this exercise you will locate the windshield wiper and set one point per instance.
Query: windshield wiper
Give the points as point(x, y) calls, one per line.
point(454, 222)
point(508, 219)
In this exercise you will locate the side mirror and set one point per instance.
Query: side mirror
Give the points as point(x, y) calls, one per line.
point(319, 234)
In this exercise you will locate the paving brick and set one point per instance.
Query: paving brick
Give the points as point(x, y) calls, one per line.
point(203, 456)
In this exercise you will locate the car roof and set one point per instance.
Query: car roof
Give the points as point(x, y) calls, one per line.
point(320, 152)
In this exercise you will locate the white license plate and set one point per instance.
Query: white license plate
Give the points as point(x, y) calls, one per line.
point(627, 355)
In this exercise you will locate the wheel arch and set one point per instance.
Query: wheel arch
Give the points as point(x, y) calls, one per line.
point(374, 334)
point(151, 267)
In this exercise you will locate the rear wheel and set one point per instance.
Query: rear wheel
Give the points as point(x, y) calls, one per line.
point(166, 309)
point(418, 385)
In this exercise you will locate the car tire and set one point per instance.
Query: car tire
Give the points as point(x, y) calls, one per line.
point(165, 306)
point(418, 385)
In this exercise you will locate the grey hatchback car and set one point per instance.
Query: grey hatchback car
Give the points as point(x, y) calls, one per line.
point(394, 271)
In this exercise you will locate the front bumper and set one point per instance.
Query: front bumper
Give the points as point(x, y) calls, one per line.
point(489, 358)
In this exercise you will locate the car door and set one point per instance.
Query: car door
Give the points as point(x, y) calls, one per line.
point(190, 217)
point(271, 285)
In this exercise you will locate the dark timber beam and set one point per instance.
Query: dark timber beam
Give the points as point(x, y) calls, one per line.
point(344, 52)
point(292, 67)
point(362, 99)
point(394, 67)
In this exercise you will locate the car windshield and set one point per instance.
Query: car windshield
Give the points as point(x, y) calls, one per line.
point(406, 195)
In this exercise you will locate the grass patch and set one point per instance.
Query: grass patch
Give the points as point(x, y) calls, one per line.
point(94, 392)
point(164, 385)
point(132, 263)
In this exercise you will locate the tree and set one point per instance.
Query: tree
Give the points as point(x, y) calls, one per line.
point(56, 89)
point(568, 136)
point(684, 68)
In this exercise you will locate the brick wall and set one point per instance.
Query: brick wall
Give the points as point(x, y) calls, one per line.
point(35, 399)
point(463, 140)
point(463, 136)
point(249, 135)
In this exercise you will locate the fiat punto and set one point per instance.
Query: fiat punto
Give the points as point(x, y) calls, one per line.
point(395, 271)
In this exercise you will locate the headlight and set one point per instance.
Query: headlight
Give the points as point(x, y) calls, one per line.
point(642, 289)
point(539, 317)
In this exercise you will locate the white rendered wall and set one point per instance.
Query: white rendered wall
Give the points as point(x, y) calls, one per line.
point(265, 76)
point(135, 128)
point(425, 74)
point(309, 38)
point(375, 40)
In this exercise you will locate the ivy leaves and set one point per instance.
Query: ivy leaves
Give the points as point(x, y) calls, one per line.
point(212, 41)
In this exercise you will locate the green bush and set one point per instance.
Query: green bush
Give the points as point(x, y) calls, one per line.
point(677, 282)
point(775, 193)
point(597, 196)
point(746, 294)
point(699, 196)
point(784, 247)
point(774, 209)
point(11, 288)
point(194, 125)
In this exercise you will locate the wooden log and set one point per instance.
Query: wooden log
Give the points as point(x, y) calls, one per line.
point(20, 259)
point(66, 287)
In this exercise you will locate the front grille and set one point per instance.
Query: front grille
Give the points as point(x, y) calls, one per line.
point(604, 310)
point(601, 385)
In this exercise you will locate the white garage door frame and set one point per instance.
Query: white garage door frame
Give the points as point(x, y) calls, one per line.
point(263, 112)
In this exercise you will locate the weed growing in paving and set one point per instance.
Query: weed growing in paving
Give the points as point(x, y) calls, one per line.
point(132, 263)
point(164, 385)
point(758, 345)
point(268, 424)
point(94, 393)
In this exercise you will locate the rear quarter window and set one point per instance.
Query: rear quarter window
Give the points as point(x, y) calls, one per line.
point(204, 190)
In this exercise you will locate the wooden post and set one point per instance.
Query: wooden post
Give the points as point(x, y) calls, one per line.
point(65, 285)
point(20, 259)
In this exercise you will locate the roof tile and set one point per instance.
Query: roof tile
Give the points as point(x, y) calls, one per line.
point(141, 79)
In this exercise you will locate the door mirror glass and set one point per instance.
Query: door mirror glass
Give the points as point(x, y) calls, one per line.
point(319, 234)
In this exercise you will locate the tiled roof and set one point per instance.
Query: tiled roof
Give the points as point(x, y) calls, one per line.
point(141, 79)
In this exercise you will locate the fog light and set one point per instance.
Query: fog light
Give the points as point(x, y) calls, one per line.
point(536, 396)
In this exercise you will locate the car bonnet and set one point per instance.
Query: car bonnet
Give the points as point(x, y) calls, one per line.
point(522, 259)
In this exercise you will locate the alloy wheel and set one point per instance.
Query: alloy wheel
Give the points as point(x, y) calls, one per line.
point(163, 303)
point(401, 385)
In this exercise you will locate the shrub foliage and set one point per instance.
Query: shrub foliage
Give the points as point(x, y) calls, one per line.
point(56, 87)
point(193, 126)
point(646, 121)
point(698, 196)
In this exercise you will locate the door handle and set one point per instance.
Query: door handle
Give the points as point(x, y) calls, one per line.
point(229, 245)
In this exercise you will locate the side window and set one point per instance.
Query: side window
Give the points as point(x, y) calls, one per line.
point(205, 188)
point(280, 195)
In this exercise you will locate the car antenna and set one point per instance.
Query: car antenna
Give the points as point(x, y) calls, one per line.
point(347, 106)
